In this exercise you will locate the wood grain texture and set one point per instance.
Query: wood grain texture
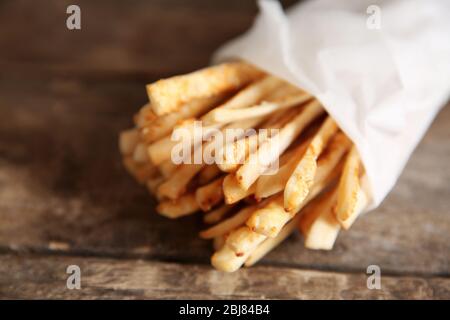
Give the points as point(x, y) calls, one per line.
point(45, 277)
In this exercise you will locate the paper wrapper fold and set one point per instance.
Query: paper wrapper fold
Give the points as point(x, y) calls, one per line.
point(382, 86)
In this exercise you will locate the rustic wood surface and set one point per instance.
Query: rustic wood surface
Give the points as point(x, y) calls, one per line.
point(65, 198)
point(44, 277)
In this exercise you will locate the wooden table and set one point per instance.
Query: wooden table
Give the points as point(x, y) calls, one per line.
point(65, 198)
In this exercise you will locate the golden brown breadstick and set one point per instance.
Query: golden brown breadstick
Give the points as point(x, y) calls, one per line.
point(168, 95)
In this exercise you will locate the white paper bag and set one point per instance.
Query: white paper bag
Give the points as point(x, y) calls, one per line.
point(383, 86)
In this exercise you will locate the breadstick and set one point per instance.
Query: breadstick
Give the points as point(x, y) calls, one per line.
point(168, 95)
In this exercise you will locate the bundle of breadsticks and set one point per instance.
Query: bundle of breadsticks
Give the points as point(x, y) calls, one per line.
point(315, 188)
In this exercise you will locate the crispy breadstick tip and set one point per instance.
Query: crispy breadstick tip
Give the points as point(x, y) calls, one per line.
point(210, 195)
point(348, 186)
point(361, 203)
point(302, 179)
point(128, 140)
point(270, 219)
point(267, 245)
point(216, 215)
point(226, 260)
point(177, 208)
point(233, 192)
point(243, 240)
point(168, 95)
point(229, 224)
point(318, 223)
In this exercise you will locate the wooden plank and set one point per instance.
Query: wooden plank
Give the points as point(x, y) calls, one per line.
point(63, 188)
point(44, 277)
